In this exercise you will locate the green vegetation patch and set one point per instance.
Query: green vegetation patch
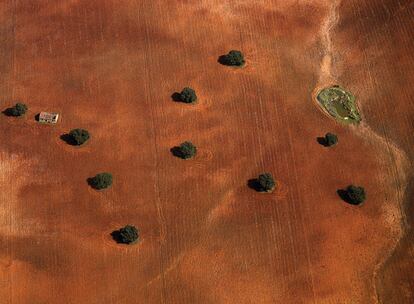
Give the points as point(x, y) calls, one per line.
point(100, 181)
point(19, 109)
point(234, 58)
point(353, 195)
point(264, 183)
point(78, 136)
point(340, 104)
point(126, 235)
point(185, 150)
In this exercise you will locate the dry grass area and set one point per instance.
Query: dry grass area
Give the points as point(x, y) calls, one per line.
point(111, 66)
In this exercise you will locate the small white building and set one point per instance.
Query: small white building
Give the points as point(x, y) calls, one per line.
point(46, 117)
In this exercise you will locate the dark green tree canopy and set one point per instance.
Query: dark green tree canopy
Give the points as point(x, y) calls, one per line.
point(188, 95)
point(101, 181)
point(79, 136)
point(128, 234)
point(19, 109)
point(185, 150)
point(266, 182)
point(233, 58)
point(330, 139)
point(354, 195)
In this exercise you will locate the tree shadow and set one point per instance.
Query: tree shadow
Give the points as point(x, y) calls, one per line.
point(8, 112)
point(322, 141)
point(222, 59)
point(176, 151)
point(116, 236)
point(68, 139)
point(255, 185)
point(343, 194)
point(91, 183)
point(176, 96)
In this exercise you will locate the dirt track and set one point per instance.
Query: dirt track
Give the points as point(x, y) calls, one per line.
point(206, 237)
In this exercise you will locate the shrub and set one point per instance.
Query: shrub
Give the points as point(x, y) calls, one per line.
point(127, 235)
point(185, 150)
point(79, 136)
point(188, 95)
point(353, 194)
point(101, 181)
point(233, 58)
point(18, 110)
point(330, 139)
point(266, 182)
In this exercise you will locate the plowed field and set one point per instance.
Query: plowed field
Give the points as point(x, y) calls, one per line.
point(205, 237)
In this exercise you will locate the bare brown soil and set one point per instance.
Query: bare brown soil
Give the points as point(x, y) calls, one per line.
point(111, 66)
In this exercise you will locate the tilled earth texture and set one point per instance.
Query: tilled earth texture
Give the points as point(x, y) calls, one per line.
point(110, 67)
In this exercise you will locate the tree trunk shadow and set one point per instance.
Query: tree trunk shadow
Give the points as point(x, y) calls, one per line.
point(255, 185)
point(68, 139)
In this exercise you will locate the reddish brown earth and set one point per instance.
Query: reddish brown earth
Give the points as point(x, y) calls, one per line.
point(111, 67)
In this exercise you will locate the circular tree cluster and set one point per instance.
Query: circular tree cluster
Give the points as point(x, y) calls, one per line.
point(353, 195)
point(233, 58)
point(127, 235)
point(185, 150)
point(188, 95)
point(266, 182)
point(18, 109)
point(101, 181)
point(79, 136)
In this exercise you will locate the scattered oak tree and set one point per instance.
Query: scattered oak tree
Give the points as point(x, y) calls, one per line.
point(19, 109)
point(353, 194)
point(79, 136)
point(185, 150)
point(188, 95)
point(263, 183)
point(330, 139)
point(101, 181)
point(266, 182)
point(233, 58)
point(126, 235)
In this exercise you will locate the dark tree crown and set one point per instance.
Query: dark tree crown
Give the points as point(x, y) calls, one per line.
point(233, 58)
point(330, 139)
point(356, 195)
point(353, 195)
point(266, 182)
point(128, 234)
point(18, 110)
point(188, 95)
point(185, 150)
point(79, 136)
point(101, 181)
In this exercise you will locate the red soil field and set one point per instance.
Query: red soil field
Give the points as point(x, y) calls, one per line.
point(111, 66)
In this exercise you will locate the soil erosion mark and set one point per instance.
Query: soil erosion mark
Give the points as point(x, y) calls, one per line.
point(396, 156)
point(325, 73)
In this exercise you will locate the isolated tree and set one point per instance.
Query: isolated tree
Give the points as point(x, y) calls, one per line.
point(266, 182)
point(185, 150)
point(19, 109)
point(128, 234)
point(188, 95)
point(233, 58)
point(330, 139)
point(353, 194)
point(79, 136)
point(101, 181)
